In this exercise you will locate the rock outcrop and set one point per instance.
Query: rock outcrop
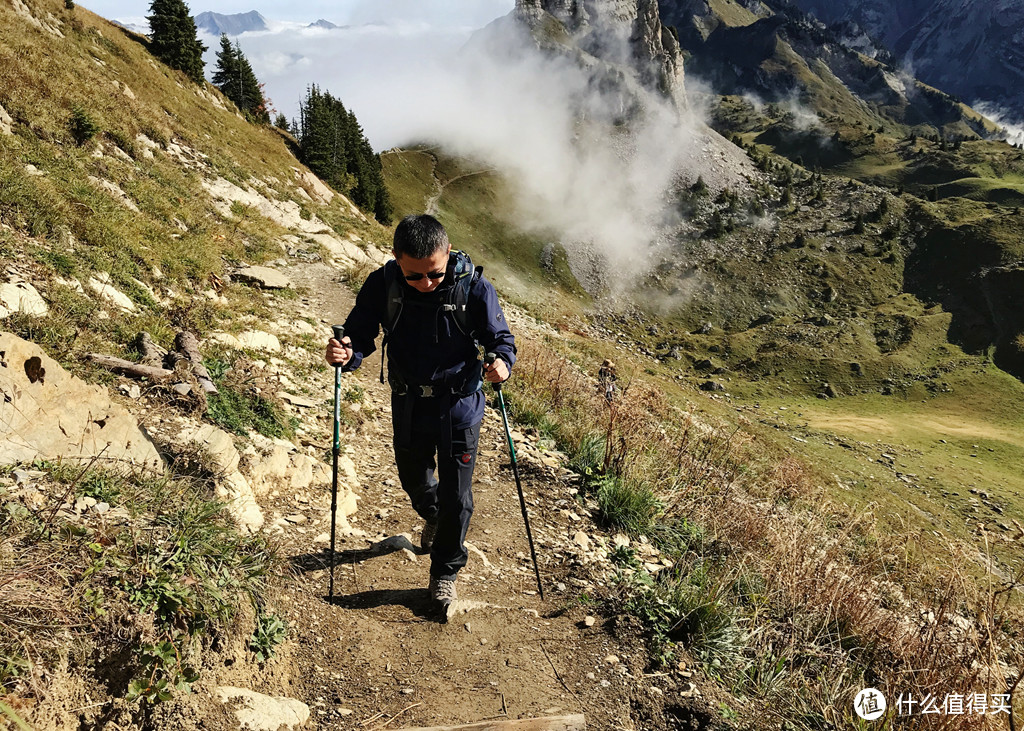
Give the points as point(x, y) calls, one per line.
point(259, 712)
point(216, 454)
point(49, 414)
point(621, 39)
point(971, 48)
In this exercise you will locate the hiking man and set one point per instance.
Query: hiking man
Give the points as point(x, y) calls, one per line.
point(435, 309)
point(606, 379)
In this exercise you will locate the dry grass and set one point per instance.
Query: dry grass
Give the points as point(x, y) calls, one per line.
point(834, 609)
point(87, 590)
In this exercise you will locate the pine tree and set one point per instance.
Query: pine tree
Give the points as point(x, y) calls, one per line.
point(333, 146)
point(253, 103)
point(227, 66)
point(173, 38)
point(281, 122)
point(235, 78)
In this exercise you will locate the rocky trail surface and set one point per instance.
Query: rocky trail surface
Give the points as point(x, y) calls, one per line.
point(383, 655)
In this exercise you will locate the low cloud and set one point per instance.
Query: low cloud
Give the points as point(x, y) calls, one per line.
point(1008, 120)
point(601, 188)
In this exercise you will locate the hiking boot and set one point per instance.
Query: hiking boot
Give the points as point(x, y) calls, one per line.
point(443, 590)
point(427, 536)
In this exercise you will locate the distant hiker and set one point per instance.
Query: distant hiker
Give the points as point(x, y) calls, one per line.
point(435, 310)
point(606, 379)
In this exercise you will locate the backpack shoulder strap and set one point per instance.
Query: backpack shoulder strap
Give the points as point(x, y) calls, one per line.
point(394, 298)
point(393, 301)
point(458, 298)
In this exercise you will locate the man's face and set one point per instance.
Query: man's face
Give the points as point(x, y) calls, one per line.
point(434, 264)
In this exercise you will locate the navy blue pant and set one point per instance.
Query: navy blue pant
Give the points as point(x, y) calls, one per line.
point(437, 474)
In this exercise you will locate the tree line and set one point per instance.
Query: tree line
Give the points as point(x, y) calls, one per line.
point(332, 145)
point(330, 139)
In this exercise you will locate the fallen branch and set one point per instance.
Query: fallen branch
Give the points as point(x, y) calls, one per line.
point(127, 368)
point(187, 345)
point(152, 354)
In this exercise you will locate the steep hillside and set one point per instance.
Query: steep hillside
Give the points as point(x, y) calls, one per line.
point(777, 53)
point(970, 49)
point(147, 157)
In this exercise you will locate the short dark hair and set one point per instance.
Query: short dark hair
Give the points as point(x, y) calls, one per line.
point(420, 236)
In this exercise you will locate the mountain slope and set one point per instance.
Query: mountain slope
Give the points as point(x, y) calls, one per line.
point(973, 49)
point(780, 54)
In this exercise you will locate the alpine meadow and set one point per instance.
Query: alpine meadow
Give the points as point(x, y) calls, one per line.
point(764, 265)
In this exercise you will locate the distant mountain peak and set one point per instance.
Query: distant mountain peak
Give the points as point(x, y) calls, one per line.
point(325, 24)
point(232, 25)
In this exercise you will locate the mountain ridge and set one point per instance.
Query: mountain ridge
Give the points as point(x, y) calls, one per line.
point(233, 24)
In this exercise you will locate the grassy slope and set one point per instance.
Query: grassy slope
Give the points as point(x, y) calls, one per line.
point(732, 13)
point(477, 207)
point(177, 240)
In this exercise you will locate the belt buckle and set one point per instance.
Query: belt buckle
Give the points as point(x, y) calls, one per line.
point(426, 391)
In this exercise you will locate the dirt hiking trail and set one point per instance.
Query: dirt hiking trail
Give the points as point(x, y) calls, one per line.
point(382, 655)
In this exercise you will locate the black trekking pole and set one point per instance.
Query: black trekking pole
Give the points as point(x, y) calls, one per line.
point(339, 333)
point(489, 359)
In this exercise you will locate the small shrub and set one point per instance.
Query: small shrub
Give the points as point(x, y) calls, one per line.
point(270, 632)
point(691, 605)
point(83, 127)
point(162, 674)
point(627, 507)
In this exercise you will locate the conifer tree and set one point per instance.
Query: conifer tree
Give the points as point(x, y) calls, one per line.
point(227, 65)
point(235, 78)
point(332, 144)
point(173, 38)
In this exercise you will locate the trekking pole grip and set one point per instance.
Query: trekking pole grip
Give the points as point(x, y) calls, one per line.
point(489, 360)
point(339, 332)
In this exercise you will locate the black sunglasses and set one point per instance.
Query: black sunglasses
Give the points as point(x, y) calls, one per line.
point(429, 275)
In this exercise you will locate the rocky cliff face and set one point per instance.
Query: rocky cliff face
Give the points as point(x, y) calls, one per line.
point(627, 34)
point(780, 52)
point(971, 48)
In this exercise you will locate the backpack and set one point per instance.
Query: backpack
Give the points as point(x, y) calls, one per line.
point(460, 267)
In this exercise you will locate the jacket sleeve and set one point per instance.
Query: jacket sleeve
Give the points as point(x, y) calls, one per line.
point(363, 323)
point(492, 327)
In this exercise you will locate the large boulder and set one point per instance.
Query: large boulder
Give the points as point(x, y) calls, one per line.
point(49, 414)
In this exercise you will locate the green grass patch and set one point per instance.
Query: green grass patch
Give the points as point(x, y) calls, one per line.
point(178, 565)
point(632, 508)
point(241, 405)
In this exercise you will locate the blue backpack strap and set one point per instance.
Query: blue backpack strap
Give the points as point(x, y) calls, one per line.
point(458, 300)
